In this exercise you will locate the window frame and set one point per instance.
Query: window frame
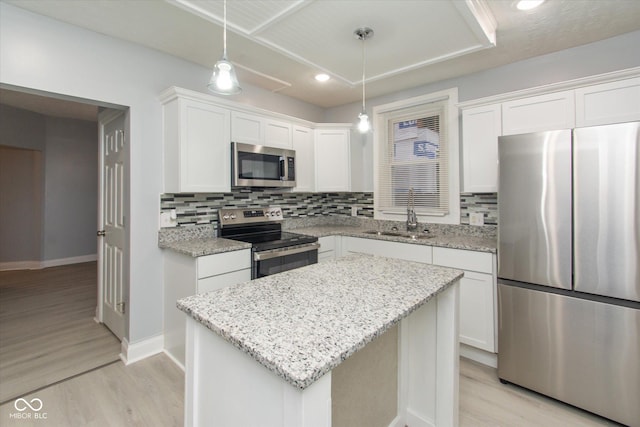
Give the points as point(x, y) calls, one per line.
point(450, 96)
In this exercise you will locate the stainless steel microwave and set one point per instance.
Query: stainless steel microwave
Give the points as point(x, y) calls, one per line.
point(260, 166)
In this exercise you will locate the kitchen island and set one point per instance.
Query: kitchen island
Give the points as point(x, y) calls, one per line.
point(301, 325)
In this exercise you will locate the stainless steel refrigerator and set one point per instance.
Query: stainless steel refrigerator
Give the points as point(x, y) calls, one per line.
point(568, 274)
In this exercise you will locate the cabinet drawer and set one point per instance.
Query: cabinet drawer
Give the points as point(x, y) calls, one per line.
point(464, 260)
point(327, 244)
point(226, 262)
point(223, 280)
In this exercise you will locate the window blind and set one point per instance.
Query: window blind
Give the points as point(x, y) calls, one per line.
point(415, 155)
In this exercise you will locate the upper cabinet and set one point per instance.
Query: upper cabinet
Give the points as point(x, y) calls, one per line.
point(539, 113)
point(599, 104)
point(333, 159)
point(303, 144)
point(259, 130)
point(481, 127)
point(196, 147)
point(247, 128)
point(608, 103)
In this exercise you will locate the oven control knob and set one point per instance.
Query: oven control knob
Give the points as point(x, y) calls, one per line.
point(233, 216)
point(226, 216)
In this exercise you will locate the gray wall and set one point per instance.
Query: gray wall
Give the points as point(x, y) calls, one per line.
point(71, 188)
point(48, 186)
point(616, 53)
point(20, 204)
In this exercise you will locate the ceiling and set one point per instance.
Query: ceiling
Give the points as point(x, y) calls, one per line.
point(280, 45)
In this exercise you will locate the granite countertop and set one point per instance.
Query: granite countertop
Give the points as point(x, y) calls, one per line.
point(453, 241)
point(200, 246)
point(302, 323)
point(196, 247)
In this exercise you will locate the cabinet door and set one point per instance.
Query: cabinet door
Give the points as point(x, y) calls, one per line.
point(539, 113)
point(277, 134)
point(481, 127)
point(303, 144)
point(608, 103)
point(477, 311)
point(333, 160)
point(204, 148)
point(247, 128)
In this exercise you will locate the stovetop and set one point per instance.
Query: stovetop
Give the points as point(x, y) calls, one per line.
point(262, 227)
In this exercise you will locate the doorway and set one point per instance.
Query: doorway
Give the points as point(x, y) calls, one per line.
point(50, 265)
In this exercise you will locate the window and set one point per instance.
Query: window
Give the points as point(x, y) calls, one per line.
point(416, 148)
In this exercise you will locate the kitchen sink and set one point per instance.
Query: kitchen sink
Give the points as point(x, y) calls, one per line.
point(398, 234)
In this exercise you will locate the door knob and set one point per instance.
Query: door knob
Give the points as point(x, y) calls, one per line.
point(101, 233)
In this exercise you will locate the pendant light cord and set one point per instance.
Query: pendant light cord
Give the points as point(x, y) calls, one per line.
point(224, 34)
point(364, 58)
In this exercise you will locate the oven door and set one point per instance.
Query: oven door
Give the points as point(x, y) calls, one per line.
point(274, 261)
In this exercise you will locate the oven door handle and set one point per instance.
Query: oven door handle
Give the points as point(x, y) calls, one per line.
point(274, 253)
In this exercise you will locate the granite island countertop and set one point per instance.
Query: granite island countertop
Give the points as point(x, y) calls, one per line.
point(302, 323)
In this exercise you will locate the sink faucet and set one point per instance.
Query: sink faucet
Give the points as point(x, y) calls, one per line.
point(412, 220)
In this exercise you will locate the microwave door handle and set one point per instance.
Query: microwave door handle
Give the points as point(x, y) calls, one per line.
point(283, 168)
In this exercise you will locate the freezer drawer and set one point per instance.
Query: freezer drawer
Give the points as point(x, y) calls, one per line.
point(576, 350)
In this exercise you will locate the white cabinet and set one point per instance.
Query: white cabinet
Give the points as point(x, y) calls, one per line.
point(406, 251)
point(259, 130)
point(196, 147)
point(328, 248)
point(277, 134)
point(303, 144)
point(539, 113)
point(477, 295)
point(247, 128)
point(481, 127)
point(184, 276)
point(608, 103)
point(333, 160)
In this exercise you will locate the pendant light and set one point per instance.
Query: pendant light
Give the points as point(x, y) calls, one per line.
point(223, 80)
point(363, 34)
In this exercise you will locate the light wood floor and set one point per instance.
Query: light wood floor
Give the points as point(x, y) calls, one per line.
point(47, 331)
point(150, 393)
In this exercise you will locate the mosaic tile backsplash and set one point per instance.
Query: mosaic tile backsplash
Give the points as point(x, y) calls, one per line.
point(202, 208)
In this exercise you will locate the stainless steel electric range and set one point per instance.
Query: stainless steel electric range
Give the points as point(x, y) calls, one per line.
point(272, 250)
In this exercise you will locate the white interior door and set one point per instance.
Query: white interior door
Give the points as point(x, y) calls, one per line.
point(113, 289)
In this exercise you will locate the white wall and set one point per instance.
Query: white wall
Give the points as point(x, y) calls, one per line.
point(617, 53)
point(47, 55)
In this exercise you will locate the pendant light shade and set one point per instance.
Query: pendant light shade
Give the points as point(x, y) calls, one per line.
point(363, 34)
point(223, 80)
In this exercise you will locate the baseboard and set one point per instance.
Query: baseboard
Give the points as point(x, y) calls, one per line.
point(67, 261)
point(134, 352)
point(37, 265)
point(480, 356)
point(20, 265)
point(174, 360)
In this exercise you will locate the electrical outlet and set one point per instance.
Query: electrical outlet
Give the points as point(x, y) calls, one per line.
point(354, 211)
point(168, 219)
point(476, 218)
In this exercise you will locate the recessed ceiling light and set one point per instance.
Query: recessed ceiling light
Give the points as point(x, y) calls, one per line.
point(528, 4)
point(322, 77)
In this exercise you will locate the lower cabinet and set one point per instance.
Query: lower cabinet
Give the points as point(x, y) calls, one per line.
point(185, 275)
point(478, 315)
